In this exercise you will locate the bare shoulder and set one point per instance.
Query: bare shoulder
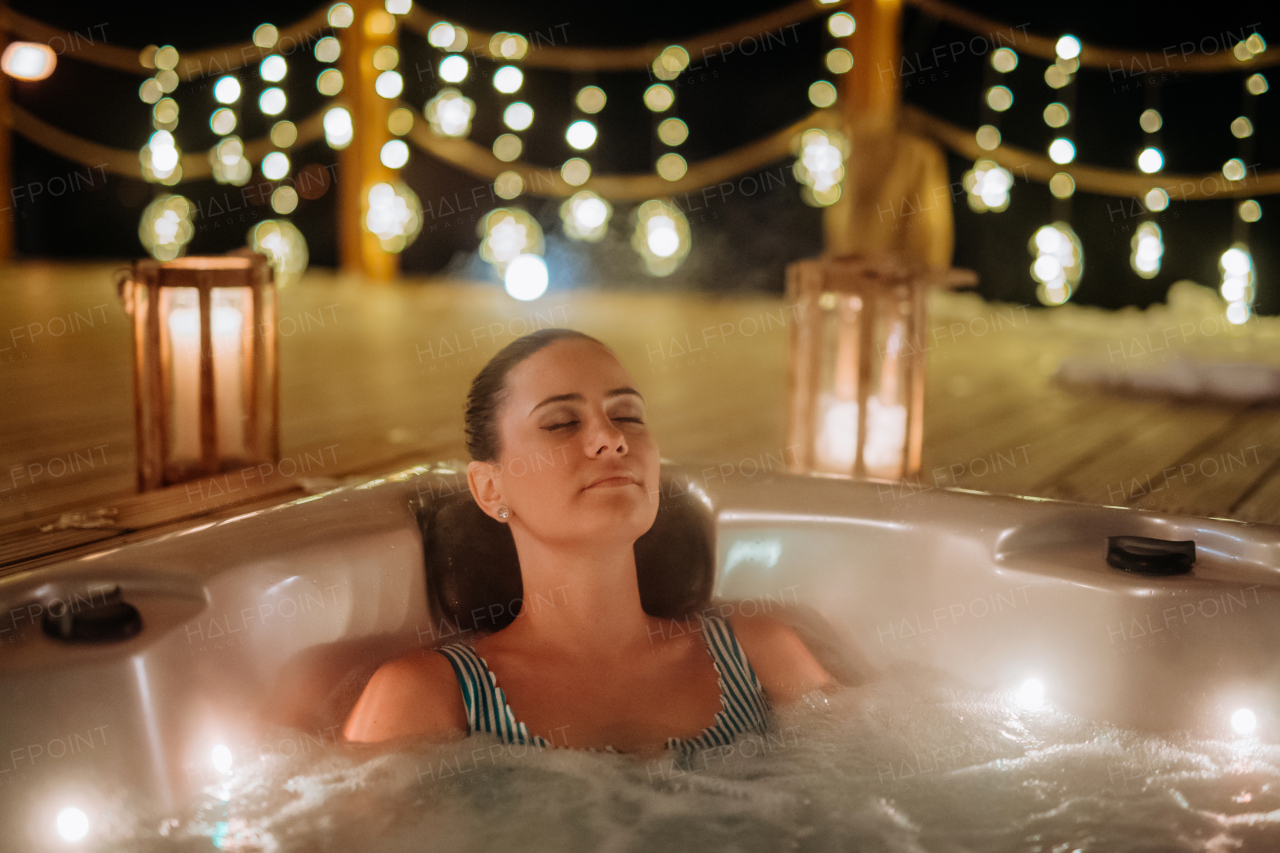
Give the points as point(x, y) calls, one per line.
point(413, 695)
point(786, 668)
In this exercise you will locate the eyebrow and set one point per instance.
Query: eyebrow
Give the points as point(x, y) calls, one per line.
point(560, 398)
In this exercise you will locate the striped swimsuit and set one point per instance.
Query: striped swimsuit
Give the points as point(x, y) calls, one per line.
point(745, 706)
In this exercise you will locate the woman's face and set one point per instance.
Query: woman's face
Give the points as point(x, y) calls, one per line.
point(577, 462)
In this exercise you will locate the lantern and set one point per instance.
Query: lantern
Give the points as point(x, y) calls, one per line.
point(206, 376)
point(856, 363)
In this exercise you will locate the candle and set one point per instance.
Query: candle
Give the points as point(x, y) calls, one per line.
point(838, 438)
point(886, 438)
point(184, 417)
point(228, 399)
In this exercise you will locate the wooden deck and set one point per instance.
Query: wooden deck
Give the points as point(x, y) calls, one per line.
point(373, 378)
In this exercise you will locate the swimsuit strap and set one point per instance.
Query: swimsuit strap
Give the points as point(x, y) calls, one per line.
point(745, 707)
point(487, 709)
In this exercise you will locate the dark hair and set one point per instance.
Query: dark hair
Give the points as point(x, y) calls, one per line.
point(488, 389)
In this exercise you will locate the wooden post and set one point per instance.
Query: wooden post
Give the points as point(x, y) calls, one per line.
point(896, 195)
point(360, 164)
point(7, 213)
point(872, 90)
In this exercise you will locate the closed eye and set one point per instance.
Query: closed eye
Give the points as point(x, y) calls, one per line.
point(632, 420)
point(552, 427)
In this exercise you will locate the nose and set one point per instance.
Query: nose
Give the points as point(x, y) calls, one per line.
point(604, 438)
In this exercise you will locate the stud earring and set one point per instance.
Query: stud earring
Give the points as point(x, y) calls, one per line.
point(503, 513)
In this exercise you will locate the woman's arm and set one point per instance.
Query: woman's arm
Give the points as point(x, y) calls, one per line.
point(786, 668)
point(414, 695)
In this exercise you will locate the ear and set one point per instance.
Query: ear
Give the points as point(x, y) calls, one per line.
point(483, 478)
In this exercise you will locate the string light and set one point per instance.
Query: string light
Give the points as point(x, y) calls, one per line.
point(999, 98)
point(822, 94)
point(1148, 247)
point(329, 82)
point(453, 69)
point(450, 112)
point(668, 64)
point(390, 84)
point(328, 49)
point(338, 129)
point(275, 165)
point(673, 132)
point(987, 137)
point(511, 46)
point(266, 36)
point(819, 166)
point(341, 15)
point(284, 134)
point(1233, 169)
point(841, 24)
point(1150, 160)
point(385, 58)
point(508, 79)
point(518, 116)
point(581, 135)
point(1004, 60)
point(507, 147)
point(659, 97)
point(987, 185)
point(672, 166)
point(272, 101)
point(226, 90)
point(394, 154)
point(230, 166)
point(165, 226)
point(1151, 121)
point(1156, 200)
point(1062, 185)
point(575, 171)
point(273, 69)
point(164, 115)
point(24, 60)
point(661, 236)
point(591, 99)
point(839, 60)
point(586, 216)
point(284, 200)
point(1062, 151)
point(284, 246)
point(161, 160)
point(1059, 262)
point(506, 233)
point(508, 185)
point(394, 215)
point(400, 121)
point(1249, 211)
point(1236, 266)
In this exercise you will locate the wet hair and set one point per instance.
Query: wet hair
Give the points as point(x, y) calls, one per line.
point(489, 389)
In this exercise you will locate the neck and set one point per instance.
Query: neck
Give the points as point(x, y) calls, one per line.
point(579, 601)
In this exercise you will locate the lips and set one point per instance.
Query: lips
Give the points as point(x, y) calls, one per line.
point(613, 480)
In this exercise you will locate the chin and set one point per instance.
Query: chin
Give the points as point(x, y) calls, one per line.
point(618, 511)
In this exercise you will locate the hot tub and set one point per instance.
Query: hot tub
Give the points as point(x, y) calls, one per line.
point(274, 616)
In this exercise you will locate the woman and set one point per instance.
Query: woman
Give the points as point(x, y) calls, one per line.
point(594, 671)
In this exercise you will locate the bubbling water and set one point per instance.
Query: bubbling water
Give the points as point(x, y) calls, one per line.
point(911, 762)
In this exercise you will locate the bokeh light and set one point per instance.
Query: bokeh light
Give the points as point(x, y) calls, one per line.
point(286, 249)
point(987, 185)
point(165, 227)
point(661, 237)
point(338, 130)
point(226, 90)
point(591, 99)
point(25, 60)
point(508, 79)
point(586, 216)
point(526, 277)
point(449, 113)
point(1147, 248)
point(1059, 262)
point(393, 215)
point(518, 116)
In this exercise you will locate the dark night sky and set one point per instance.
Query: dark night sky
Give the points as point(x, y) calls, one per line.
point(739, 243)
